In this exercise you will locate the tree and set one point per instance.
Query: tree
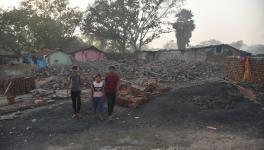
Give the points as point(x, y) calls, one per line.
point(127, 23)
point(238, 44)
point(14, 32)
point(58, 10)
point(40, 23)
point(170, 45)
point(111, 20)
point(184, 26)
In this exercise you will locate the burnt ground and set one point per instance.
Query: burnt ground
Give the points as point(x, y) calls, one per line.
point(177, 120)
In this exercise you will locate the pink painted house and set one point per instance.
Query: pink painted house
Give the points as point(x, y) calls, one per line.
point(88, 54)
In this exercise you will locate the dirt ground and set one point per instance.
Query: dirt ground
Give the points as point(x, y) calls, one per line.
point(174, 121)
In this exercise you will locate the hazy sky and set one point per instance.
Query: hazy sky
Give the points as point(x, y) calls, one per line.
point(224, 20)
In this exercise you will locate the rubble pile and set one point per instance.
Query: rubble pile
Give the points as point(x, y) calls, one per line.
point(54, 83)
point(167, 71)
point(142, 80)
point(176, 70)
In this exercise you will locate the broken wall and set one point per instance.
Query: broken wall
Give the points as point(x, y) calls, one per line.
point(235, 69)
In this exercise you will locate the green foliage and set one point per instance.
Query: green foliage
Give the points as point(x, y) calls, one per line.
point(40, 23)
point(184, 27)
point(170, 45)
point(14, 31)
point(127, 23)
point(238, 44)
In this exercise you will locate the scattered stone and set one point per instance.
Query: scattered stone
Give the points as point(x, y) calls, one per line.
point(61, 94)
point(39, 102)
point(34, 120)
point(50, 101)
point(210, 127)
point(28, 127)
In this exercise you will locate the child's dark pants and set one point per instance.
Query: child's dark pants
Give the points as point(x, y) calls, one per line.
point(111, 96)
point(76, 101)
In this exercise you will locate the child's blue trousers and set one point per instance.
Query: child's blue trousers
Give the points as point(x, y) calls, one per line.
point(98, 104)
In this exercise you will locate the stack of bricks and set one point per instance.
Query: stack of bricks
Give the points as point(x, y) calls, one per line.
point(234, 69)
point(21, 85)
point(131, 97)
point(256, 70)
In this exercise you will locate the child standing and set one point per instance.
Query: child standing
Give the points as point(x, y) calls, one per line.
point(97, 96)
point(75, 82)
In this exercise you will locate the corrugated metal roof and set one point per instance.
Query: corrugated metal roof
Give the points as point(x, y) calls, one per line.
point(43, 52)
point(84, 49)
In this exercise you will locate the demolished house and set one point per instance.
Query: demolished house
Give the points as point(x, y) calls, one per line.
point(213, 53)
point(7, 57)
point(87, 54)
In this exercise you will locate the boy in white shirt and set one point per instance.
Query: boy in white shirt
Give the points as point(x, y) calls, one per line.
point(97, 93)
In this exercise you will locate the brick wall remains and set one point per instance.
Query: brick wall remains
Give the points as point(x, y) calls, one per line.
point(234, 69)
point(19, 86)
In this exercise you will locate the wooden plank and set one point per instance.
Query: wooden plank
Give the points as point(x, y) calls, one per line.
point(8, 87)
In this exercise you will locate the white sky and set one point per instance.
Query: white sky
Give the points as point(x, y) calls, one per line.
point(224, 20)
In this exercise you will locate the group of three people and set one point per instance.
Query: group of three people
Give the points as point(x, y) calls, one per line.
point(100, 90)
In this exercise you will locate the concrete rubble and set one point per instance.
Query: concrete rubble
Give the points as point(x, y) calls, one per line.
point(140, 80)
point(139, 73)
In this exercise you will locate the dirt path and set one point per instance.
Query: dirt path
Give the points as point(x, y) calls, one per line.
point(173, 121)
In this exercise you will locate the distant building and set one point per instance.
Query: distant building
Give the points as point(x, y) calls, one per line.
point(214, 53)
point(10, 57)
point(88, 54)
point(59, 58)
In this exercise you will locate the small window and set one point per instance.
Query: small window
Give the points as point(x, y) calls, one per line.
point(218, 50)
point(56, 61)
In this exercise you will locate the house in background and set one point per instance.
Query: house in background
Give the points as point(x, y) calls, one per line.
point(59, 58)
point(88, 54)
point(7, 57)
point(39, 59)
point(214, 53)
